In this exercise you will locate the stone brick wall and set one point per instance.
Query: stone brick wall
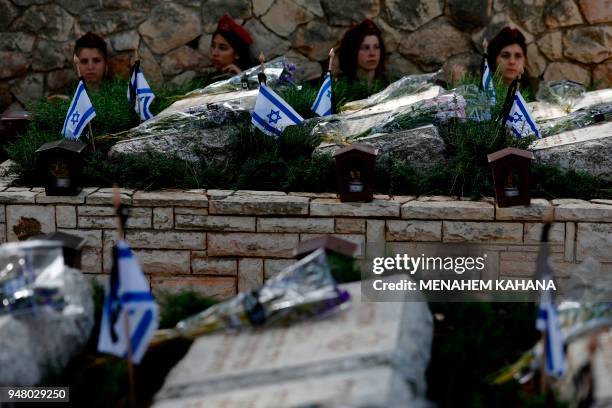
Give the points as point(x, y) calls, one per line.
point(220, 242)
point(567, 38)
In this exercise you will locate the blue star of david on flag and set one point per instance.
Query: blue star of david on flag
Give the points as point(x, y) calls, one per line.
point(80, 113)
point(487, 83)
point(322, 105)
point(127, 297)
point(139, 87)
point(272, 114)
point(519, 120)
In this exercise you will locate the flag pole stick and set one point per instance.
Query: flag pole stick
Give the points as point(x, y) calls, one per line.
point(126, 326)
point(75, 61)
point(137, 58)
point(331, 59)
point(262, 75)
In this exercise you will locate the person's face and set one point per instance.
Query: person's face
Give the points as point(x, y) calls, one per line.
point(510, 62)
point(221, 52)
point(368, 56)
point(92, 65)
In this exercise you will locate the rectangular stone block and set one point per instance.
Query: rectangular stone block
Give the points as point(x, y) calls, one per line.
point(252, 245)
point(43, 198)
point(371, 387)
point(215, 222)
point(528, 268)
point(365, 336)
point(259, 193)
point(166, 240)
point(533, 233)
point(93, 237)
point(169, 199)
point(354, 238)
point(448, 210)
point(334, 208)
point(65, 216)
point(534, 211)
point(489, 232)
point(104, 196)
point(260, 205)
point(272, 267)
point(594, 239)
point(216, 287)
point(414, 230)
point(250, 274)
point(91, 260)
point(307, 225)
point(190, 211)
point(163, 262)
point(163, 218)
point(350, 226)
point(202, 264)
point(139, 218)
point(95, 211)
point(314, 195)
point(570, 241)
point(17, 197)
point(588, 212)
point(375, 232)
point(23, 221)
point(218, 194)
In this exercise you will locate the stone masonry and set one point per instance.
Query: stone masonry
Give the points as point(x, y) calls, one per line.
point(569, 39)
point(220, 241)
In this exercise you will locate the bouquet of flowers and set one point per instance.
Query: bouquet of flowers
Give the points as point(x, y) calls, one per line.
point(576, 120)
point(277, 72)
point(304, 290)
point(31, 275)
point(564, 93)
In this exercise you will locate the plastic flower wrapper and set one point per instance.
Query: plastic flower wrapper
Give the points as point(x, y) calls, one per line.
point(576, 120)
point(408, 85)
point(31, 275)
point(274, 71)
point(564, 93)
point(208, 116)
point(435, 110)
point(304, 290)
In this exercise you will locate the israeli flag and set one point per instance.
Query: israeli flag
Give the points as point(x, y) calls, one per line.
point(140, 87)
point(519, 119)
point(272, 114)
point(128, 295)
point(548, 322)
point(487, 83)
point(80, 113)
point(323, 103)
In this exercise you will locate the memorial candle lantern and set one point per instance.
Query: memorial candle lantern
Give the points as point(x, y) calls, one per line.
point(61, 164)
point(511, 174)
point(355, 172)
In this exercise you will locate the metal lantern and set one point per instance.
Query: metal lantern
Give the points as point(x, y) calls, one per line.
point(511, 175)
point(61, 164)
point(355, 172)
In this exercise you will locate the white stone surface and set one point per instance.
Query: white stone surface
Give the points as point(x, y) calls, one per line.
point(367, 336)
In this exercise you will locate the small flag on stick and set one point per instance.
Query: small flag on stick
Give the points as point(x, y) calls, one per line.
point(139, 92)
point(323, 104)
point(487, 76)
point(80, 113)
point(548, 317)
point(272, 114)
point(519, 120)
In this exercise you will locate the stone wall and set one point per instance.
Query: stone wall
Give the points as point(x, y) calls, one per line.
point(567, 38)
point(220, 242)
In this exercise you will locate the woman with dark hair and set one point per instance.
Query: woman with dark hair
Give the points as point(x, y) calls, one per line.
point(229, 48)
point(93, 59)
point(507, 55)
point(362, 53)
